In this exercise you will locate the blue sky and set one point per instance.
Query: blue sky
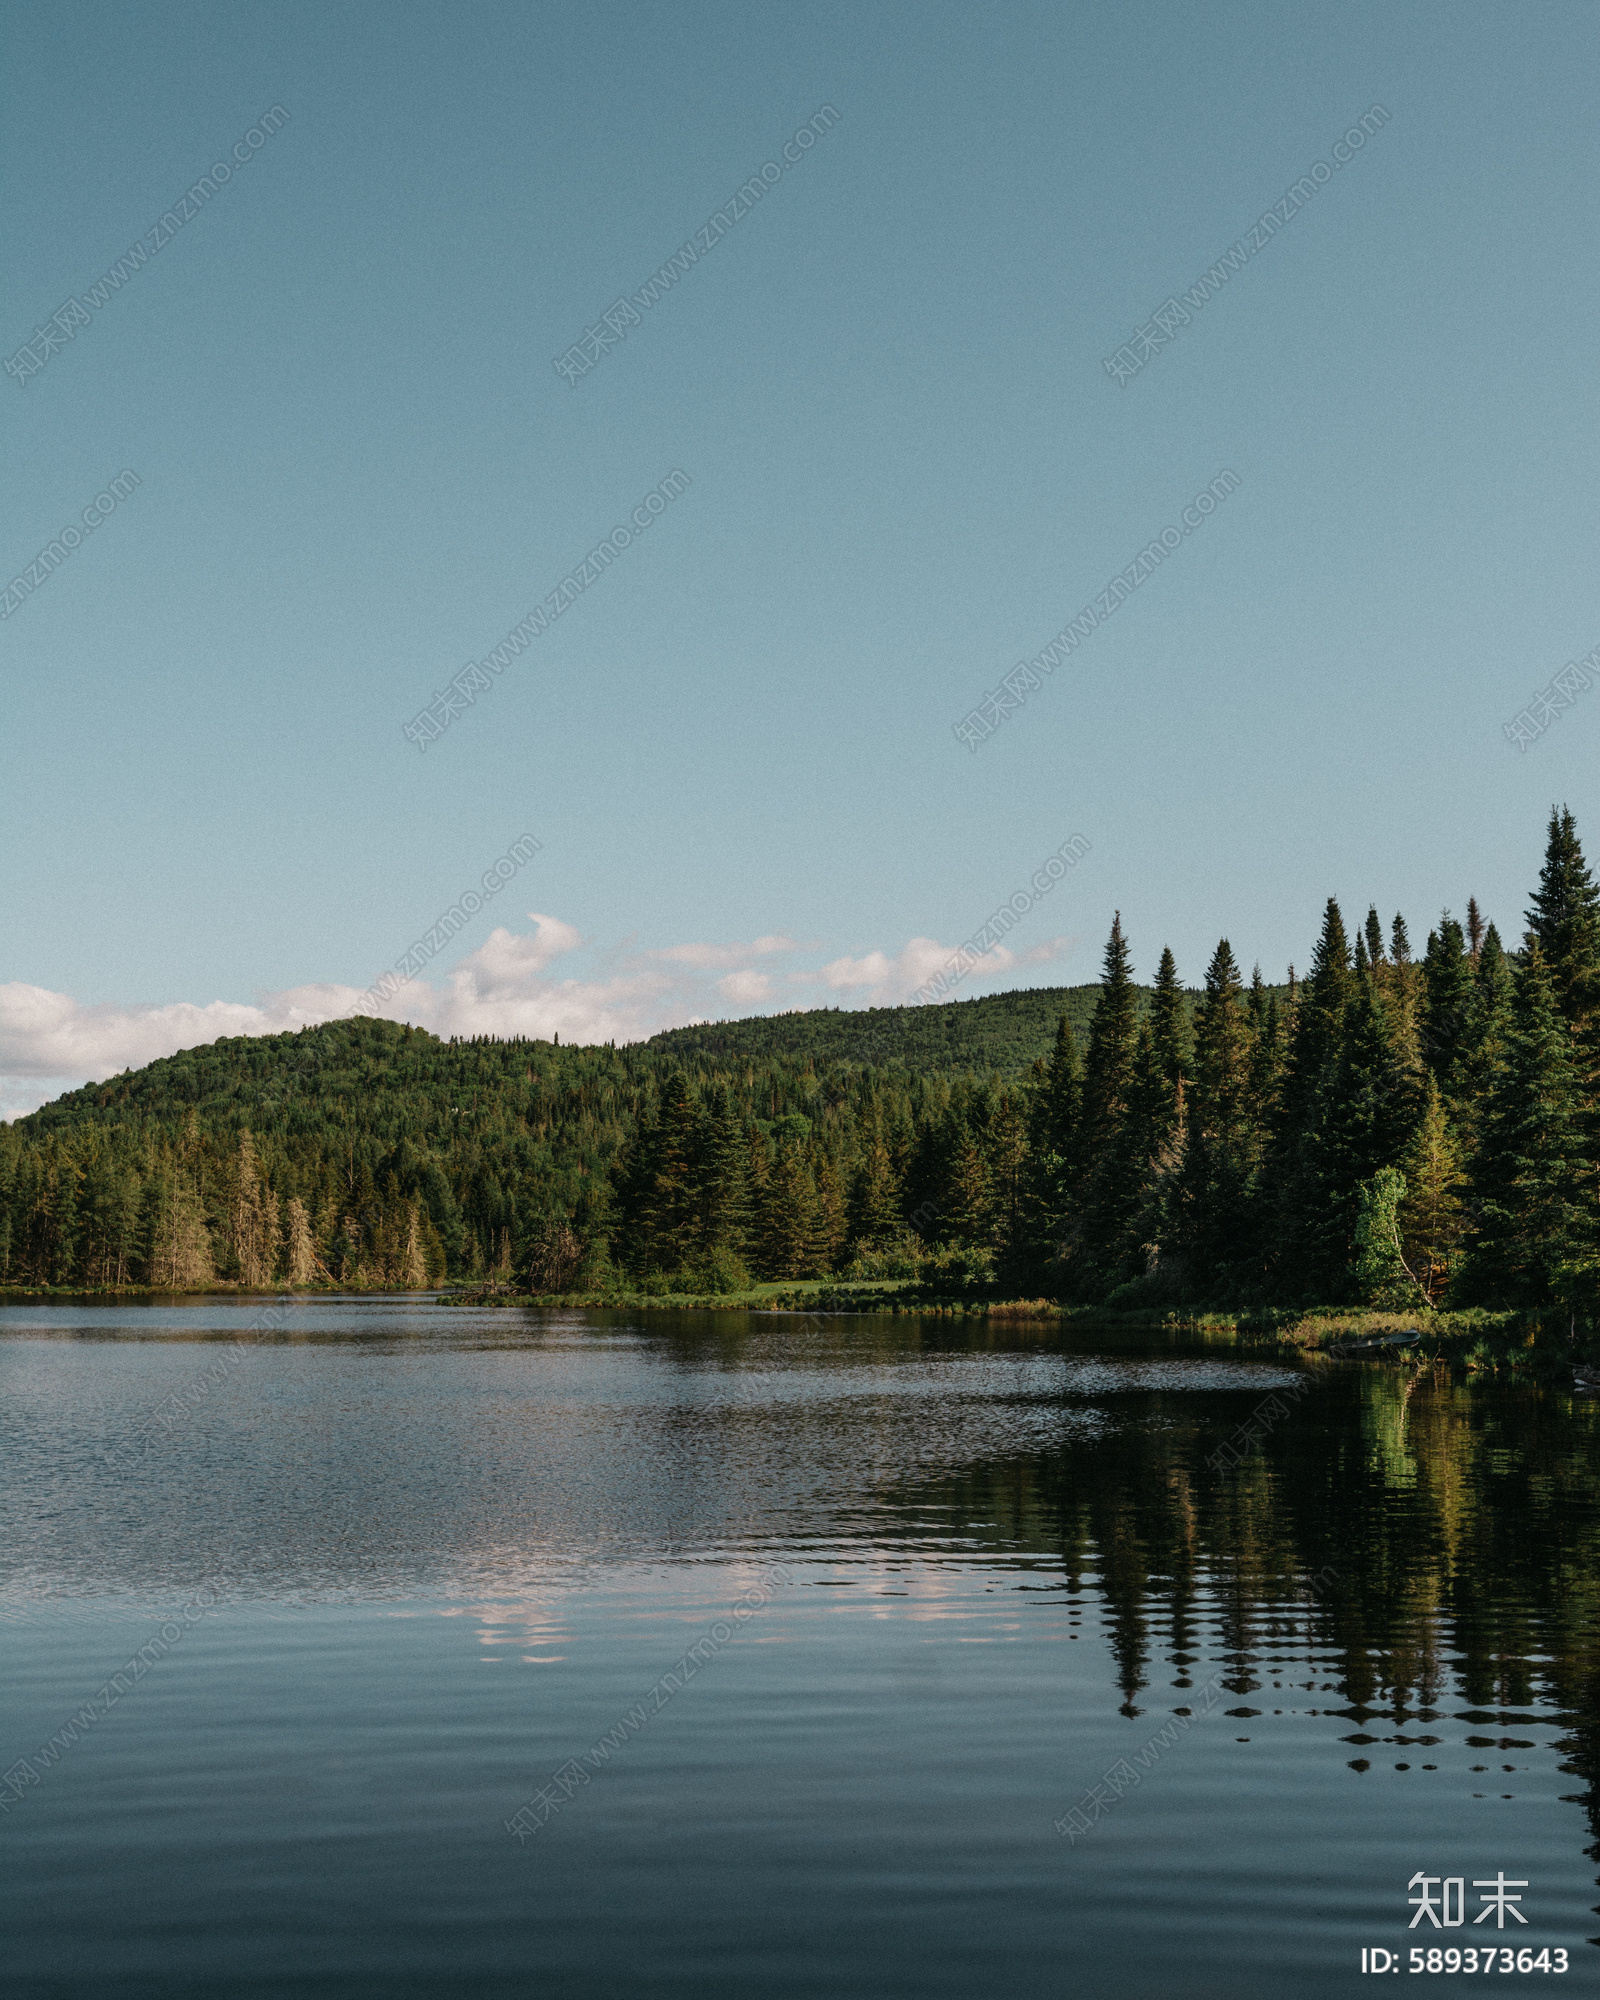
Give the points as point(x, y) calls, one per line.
point(908, 468)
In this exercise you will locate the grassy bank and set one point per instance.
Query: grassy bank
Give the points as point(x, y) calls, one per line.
point(1470, 1342)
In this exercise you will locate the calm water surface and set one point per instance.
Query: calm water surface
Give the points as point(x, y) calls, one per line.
point(389, 1568)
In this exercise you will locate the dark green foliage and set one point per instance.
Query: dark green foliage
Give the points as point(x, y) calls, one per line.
point(1109, 1186)
point(1565, 921)
point(1224, 1135)
point(1363, 1119)
point(1533, 1180)
point(1298, 1167)
point(1448, 993)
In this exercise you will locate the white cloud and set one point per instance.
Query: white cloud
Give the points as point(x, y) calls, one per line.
point(709, 957)
point(1052, 948)
point(746, 988)
point(926, 970)
point(50, 1034)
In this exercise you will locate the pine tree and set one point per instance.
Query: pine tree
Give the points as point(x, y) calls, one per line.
point(412, 1272)
point(180, 1257)
point(1360, 1122)
point(300, 1258)
point(52, 1226)
point(1474, 931)
point(831, 1221)
point(787, 1229)
point(1565, 921)
point(1223, 1141)
point(1447, 1003)
point(1318, 1018)
point(719, 1194)
point(1532, 1185)
point(557, 1253)
point(1374, 932)
point(965, 1217)
point(1110, 1189)
point(1302, 1245)
point(1432, 1218)
point(1483, 1043)
point(1266, 1055)
point(1169, 1022)
point(1113, 1036)
point(1399, 941)
point(1054, 1121)
point(874, 1209)
point(1056, 1111)
point(1006, 1156)
point(655, 1181)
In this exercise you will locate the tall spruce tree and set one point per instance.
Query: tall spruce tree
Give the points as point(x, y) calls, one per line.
point(1447, 1004)
point(1299, 1246)
point(1474, 931)
point(1432, 1219)
point(1054, 1120)
point(1169, 1022)
point(1110, 1188)
point(1532, 1183)
point(1163, 1059)
point(721, 1215)
point(1565, 921)
point(1399, 941)
point(1006, 1149)
point(1266, 1055)
point(1479, 1055)
point(1223, 1138)
point(874, 1209)
point(1360, 1123)
point(787, 1236)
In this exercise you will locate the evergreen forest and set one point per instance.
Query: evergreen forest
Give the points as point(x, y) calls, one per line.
point(1397, 1125)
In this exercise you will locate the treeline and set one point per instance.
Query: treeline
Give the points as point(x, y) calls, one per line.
point(1394, 1125)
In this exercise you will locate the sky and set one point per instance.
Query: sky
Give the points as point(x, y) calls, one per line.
point(889, 462)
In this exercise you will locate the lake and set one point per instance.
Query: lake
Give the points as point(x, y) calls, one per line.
point(363, 1646)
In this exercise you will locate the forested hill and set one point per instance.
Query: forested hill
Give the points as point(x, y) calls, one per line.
point(385, 1135)
point(1001, 1033)
point(384, 1080)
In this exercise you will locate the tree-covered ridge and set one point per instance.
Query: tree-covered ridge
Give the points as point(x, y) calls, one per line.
point(1391, 1127)
point(999, 1033)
